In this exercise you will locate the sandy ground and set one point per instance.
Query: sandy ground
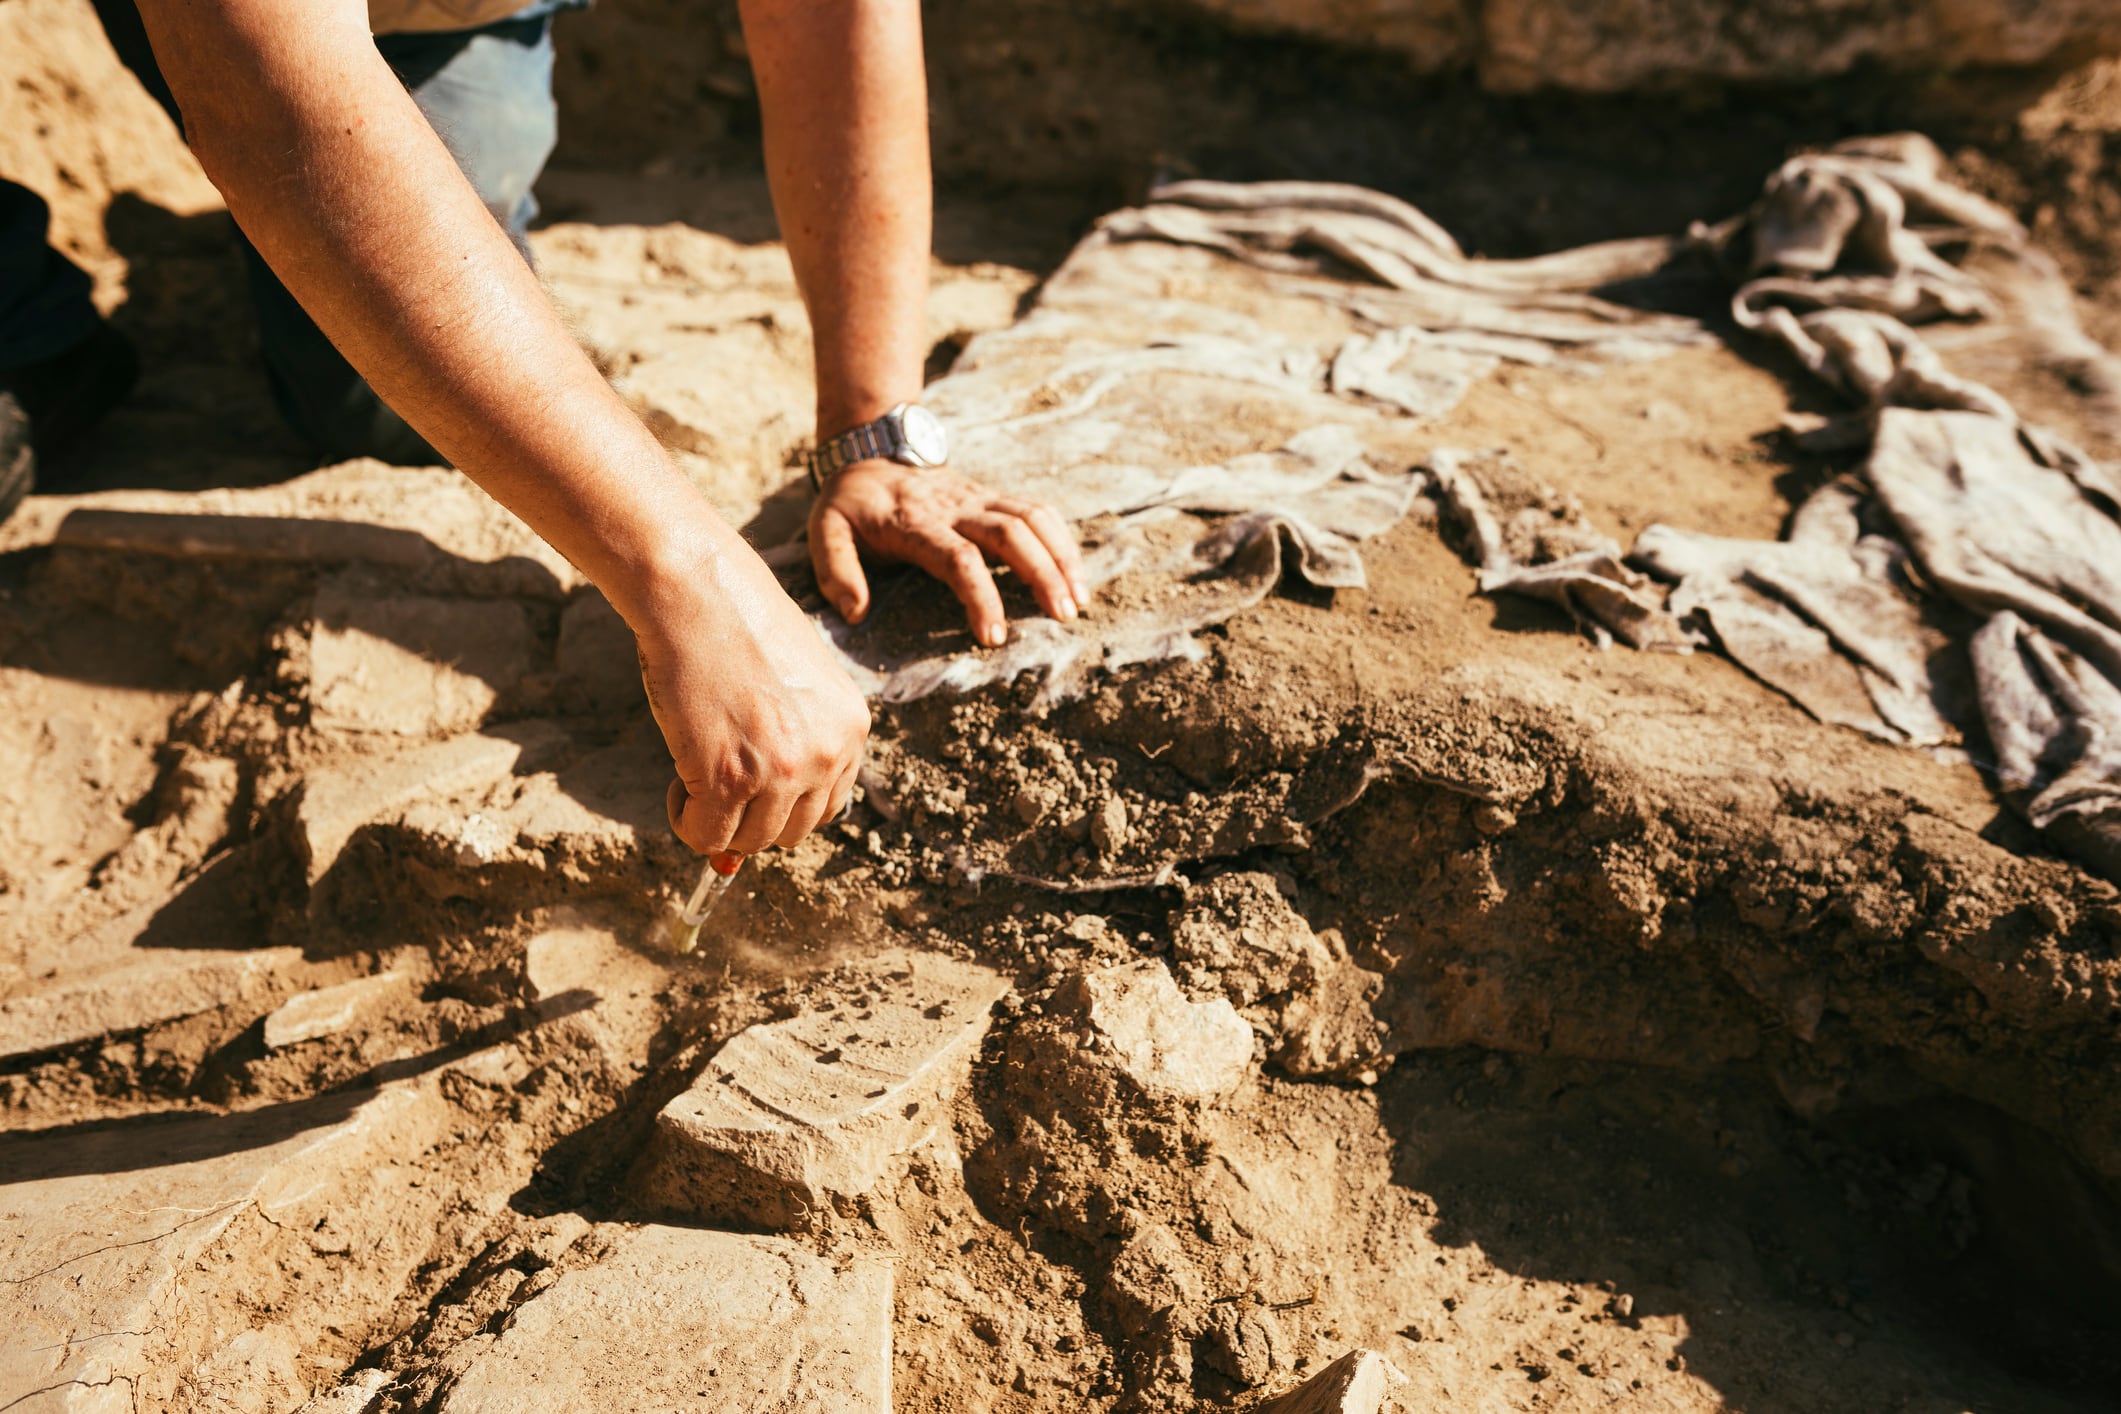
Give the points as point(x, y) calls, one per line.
point(1684, 1054)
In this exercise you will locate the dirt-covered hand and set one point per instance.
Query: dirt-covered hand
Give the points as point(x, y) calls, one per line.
point(766, 728)
point(949, 525)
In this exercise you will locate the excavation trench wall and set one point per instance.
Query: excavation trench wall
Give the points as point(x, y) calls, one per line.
point(1027, 91)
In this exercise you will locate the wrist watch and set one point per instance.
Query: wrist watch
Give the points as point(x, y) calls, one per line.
point(909, 434)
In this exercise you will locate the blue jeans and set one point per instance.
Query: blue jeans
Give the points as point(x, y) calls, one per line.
point(488, 94)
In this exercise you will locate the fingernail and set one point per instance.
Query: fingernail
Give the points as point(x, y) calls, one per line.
point(997, 635)
point(1065, 609)
point(1082, 592)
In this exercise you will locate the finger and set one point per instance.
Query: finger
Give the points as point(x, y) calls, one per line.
point(764, 820)
point(704, 824)
point(1011, 540)
point(843, 791)
point(838, 562)
point(1058, 537)
point(805, 817)
point(957, 562)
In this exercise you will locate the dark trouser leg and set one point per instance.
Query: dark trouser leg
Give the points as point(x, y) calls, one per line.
point(488, 93)
point(44, 304)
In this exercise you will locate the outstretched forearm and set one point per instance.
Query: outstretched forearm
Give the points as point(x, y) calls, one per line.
point(845, 105)
point(345, 190)
point(339, 181)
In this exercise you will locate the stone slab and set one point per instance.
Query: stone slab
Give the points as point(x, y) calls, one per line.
point(790, 1115)
point(339, 799)
point(102, 983)
point(684, 1318)
point(1135, 1017)
point(327, 1011)
point(412, 666)
point(103, 1231)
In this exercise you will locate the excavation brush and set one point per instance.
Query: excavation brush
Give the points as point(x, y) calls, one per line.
point(717, 872)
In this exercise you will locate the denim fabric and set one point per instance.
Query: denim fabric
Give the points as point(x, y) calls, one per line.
point(488, 94)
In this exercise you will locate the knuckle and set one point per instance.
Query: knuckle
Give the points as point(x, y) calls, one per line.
point(739, 774)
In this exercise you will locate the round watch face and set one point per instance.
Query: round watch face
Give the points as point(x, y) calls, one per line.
point(924, 434)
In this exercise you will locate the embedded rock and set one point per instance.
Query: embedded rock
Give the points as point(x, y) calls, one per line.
point(1152, 1274)
point(330, 1010)
point(107, 982)
point(340, 799)
point(1332, 1029)
point(353, 1397)
point(685, 1318)
point(826, 1105)
point(1359, 1382)
point(1134, 1021)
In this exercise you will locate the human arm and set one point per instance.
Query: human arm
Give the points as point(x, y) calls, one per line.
point(340, 183)
point(844, 99)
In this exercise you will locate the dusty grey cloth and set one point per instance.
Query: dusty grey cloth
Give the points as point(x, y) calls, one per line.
point(1528, 540)
point(1215, 403)
point(1964, 511)
point(2052, 721)
point(1825, 616)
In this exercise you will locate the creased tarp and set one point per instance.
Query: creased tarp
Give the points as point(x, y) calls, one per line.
point(1963, 509)
point(1212, 423)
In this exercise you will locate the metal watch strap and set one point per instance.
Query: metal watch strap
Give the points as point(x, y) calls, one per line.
point(856, 444)
point(908, 434)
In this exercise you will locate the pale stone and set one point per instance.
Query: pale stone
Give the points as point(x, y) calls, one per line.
point(1332, 1029)
point(1109, 827)
point(411, 666)
point(107, 986)
point(602, 820)
point(685, 1318)
point(788, 1116)
point(329, 1010)
point(340, 798)
point(1245, 1342)
point(1135, 1018)
point(1151, 1274)
point(102, 1236)
point(1359, 1382)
